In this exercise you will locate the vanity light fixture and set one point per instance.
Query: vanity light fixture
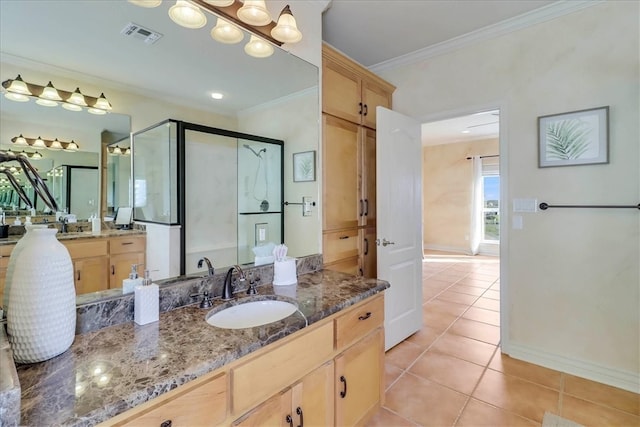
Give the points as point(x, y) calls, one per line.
point(72, 146)
point(126, 152)
point(258, 48)
point(19, 140)
point(226, 32)
point(286, 30)
point(38, 143)
point(254, 12)
point(187, 15)
point(220, 3)
point(49, 96)
point(55, 145)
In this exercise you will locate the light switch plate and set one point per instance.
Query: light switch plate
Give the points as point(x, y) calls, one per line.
point(306, 205)
point(261, 233)
point(516, 222)
point(525, 205)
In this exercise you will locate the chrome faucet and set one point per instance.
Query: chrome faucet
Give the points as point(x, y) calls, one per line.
point(209, 266)
point(227, 289)
point(63, 221)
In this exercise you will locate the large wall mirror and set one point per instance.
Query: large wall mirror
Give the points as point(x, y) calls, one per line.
point(146, 83)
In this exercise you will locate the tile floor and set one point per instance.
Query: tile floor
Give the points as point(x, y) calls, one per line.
point(451, 372)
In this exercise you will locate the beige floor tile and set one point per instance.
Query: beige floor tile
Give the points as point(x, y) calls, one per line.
point(424, 402)
point(485, 276)
point(403, 355)
point(464, 289)
point(482, 315)
point(478, 414)
point(464, 348)
point(468, 281)
point(386, 418)
point(487, 304)
point(438, 322)
point(391, 373)
point(457, 297)
point(590, 414)
point(521, 397)
point(424, 337)
point(526, 371)
point(443, 306)
point(449, 371)
point(602, 394)
point(476, 330)
point(492, 294)
point(436, 284)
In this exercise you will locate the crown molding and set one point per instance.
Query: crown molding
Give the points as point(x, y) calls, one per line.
point(546, 13)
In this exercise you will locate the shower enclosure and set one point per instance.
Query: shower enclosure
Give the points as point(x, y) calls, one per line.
point(223, 188)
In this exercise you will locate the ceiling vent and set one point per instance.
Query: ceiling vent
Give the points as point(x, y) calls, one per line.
point(141, 33)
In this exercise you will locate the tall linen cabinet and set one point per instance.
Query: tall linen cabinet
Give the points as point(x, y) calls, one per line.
point(350, 95)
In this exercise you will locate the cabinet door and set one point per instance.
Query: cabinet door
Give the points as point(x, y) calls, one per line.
point(312, 398)
point(341, 91)
point(369, 253)
point(368, 217)
point(342, 204)
point(272, 413)
point(121, 267)
point(372, 96)
point(348, 266)
point(358, 380)
point(90, 274)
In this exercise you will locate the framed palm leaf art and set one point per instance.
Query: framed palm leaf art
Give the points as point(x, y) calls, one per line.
point(574, 138)
point(304, 166)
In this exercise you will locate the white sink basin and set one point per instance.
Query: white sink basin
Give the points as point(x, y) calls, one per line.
point(250, 314)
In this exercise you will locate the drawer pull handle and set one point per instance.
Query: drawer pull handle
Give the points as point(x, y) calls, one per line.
point(289, 420)
point(366, 246)
point(365, 317)
point(113, 270)
point(366, 207)
point(299, 412)
point(126, 243)
point(166, 423)
point(343, 393)
point(78, 279)
point(360, 104)
point(366, 109)
point(343, 237)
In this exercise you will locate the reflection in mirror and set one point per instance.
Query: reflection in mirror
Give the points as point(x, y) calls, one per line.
point(118, 177)
point(276, 97)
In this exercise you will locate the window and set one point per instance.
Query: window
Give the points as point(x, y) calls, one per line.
point(491, 200)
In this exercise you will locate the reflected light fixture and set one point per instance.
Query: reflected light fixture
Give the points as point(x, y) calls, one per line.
point(220, 3)
point(35, 156)
point(254, 12)
point(17, 90)
point(127, 151)
point(286, 30)
point(258, 48)
point(72, 146)
point(20, 140)
point(117, 150)
point(38, 143)
point(187, 15)
point(226, 32)
point(55, 145)
point(146, 3)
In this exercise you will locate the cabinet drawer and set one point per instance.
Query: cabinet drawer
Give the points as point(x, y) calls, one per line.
point(5, 250)
point(359, 321)
point(86, 249)
point(123, 245)
point(340, 245)
point(202, 404)
point(348, 266)
point(256, 380)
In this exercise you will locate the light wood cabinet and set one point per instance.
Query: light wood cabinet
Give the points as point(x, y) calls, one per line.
point(202, 402)
point(350, 95)
point(299, 380)
point(359, 394)
point(350, 91)
point(308, 402)
point(125, 252)
point(90, 260)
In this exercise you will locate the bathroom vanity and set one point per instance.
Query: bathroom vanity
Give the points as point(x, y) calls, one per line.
point(323, 364)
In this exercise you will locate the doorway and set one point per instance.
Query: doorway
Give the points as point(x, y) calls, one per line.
point(462, 193)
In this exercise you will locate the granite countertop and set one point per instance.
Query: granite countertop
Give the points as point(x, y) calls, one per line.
point(111, 370)
point(13, 239)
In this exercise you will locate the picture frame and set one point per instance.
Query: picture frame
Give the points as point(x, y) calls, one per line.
point(574, 138)
point(304, 166)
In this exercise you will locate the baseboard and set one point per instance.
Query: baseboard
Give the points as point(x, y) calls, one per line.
point(457, 250)
point(603, 374)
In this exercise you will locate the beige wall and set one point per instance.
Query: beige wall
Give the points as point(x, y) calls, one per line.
point(446, 192)
point(570, 278)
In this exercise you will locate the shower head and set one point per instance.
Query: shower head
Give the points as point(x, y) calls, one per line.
point(257, 154)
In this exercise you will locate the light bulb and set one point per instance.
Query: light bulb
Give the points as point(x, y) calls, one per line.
point(258, 48)
point(187, 15)
point(286, 31)
point(254, 12)
point(226, 32)
point(16, 97)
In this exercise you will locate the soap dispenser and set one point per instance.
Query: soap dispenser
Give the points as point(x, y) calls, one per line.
point(128, 285)
point(146, 302)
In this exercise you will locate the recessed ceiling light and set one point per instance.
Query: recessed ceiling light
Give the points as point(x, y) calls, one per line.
point(466, 131)
point(217, 95)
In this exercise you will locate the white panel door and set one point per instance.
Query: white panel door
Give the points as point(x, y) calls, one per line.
point(399, 206)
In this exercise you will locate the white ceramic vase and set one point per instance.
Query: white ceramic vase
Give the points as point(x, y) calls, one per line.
point(41, 320)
